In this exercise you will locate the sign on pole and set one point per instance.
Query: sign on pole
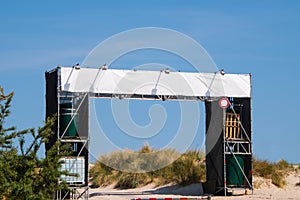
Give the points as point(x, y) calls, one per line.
point(224, 103)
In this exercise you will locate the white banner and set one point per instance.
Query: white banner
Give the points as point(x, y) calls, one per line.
point(130, 82)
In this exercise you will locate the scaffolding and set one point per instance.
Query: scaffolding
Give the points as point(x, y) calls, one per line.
point(68, 93)
point(71, 128)
point(236, 143)
point(71, 134)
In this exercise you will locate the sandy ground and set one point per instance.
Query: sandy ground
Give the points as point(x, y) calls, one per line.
point(266, 191)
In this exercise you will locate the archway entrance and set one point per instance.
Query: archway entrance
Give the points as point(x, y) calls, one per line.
point(228, 128)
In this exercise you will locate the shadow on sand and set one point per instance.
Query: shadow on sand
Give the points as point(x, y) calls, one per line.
point(190, 190)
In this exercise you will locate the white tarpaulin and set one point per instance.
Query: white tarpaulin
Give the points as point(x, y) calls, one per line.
point(130, 82)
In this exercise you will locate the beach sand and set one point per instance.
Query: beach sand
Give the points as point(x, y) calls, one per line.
point(265, 190)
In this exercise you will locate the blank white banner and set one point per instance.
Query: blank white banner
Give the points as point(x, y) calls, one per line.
point(129, 82)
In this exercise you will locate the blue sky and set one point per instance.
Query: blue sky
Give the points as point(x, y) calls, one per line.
point(258, 37)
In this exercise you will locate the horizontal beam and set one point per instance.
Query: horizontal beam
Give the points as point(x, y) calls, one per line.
point(148, 97)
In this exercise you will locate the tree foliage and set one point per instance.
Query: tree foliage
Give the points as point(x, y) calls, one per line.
point(23, 174)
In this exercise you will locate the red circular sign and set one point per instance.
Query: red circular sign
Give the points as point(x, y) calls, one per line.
point(223, 102)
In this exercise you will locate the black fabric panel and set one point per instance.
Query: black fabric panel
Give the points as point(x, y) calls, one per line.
point(51, 102)
point(83, 129)
point(214, 143)
point(246, 113)
point(83, 124)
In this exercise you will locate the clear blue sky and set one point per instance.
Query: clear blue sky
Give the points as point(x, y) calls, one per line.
point(258, 37)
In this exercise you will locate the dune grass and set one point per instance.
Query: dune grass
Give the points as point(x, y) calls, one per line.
point(134, 168)
point(297, 169)
point(277, 172)
point(188, 168)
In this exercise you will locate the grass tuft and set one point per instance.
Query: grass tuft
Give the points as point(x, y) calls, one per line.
point(188, 168)
point(277, 172)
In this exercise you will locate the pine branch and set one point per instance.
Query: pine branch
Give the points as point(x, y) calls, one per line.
point(23, 175)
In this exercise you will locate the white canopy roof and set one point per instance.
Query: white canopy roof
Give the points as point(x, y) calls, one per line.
point(164, 83)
